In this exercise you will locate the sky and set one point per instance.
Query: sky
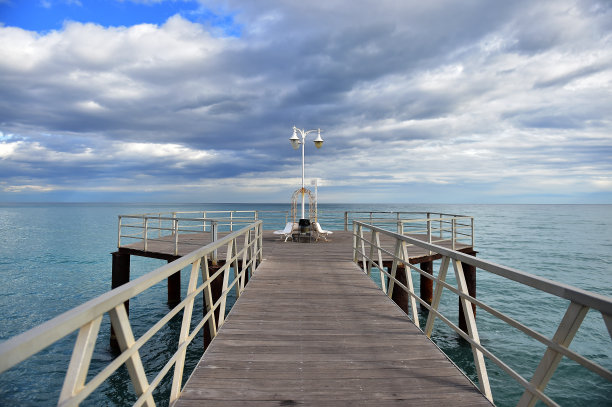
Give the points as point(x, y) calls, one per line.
point(441, 101)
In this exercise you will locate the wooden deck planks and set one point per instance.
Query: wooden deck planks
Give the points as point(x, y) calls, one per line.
point(312, 329)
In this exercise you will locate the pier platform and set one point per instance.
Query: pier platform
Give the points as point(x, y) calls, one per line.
point(312, 329)
point(339, 244)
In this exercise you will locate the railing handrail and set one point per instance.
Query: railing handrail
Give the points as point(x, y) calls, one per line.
point(169, 218)
point(557, 347)
point(21, 347)
point(568, 292)
point(408, 212)
point(178, 225)
point(454, 234)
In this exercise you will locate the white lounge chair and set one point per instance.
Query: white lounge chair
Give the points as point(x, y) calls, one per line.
point(321, 232)
point(286, 233)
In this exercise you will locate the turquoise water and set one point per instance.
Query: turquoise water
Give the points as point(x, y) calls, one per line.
point(56, 256)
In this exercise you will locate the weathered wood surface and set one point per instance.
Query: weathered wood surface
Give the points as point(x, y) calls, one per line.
point(312, 329)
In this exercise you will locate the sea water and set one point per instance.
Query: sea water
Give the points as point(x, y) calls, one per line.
point(54, 257)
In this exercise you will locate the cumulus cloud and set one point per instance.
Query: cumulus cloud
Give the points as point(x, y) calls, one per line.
point(510, 99)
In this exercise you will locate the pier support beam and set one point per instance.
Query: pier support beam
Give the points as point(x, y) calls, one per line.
point(120, 276)
point(399, 295)
point(174, 288)
point(470, 279)
point(426, 284)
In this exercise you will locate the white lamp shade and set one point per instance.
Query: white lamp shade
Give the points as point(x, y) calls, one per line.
point(295, 141)
point(318, 141)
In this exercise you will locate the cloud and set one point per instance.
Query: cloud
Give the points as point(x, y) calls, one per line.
point(509, 98)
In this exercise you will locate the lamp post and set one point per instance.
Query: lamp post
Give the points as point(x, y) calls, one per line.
point(295, 143)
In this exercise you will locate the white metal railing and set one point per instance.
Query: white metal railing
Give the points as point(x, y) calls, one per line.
point(437, 227)
point(87, 319)
point(580, 301)
point(169, 226)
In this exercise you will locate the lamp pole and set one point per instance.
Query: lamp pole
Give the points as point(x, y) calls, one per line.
point(295, 143)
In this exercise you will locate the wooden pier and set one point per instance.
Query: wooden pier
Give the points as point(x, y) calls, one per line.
point(312, 329)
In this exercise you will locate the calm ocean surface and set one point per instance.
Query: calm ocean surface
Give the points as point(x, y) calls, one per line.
point(56, 256)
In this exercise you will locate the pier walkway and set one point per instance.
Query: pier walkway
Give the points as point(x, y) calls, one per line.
point(312, 329)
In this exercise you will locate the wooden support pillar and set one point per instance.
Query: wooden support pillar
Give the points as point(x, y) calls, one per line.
point(399, 295)
point(426, 284)
point(246, 276)
point(216, 288)
point(120, 276)
point(469, 272)
point(174, 288)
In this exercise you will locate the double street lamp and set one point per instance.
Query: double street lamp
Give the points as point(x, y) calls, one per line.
point(295, 143)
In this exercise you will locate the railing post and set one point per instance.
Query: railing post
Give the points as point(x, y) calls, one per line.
point(80, 360)
point(346, 222)
point(213, 230)
point(355, 258)
point(381, 266)
point(231, 221)
point(184, 334)
point(472, 227)
point(260, 244)
point(472, 330)
point(400, 224)
point(144, 223)
point(119, 233)
point(429, 229)
point(159, 225)
point(175, 227)
point(146, 232)
point(224, 293)
point(454, 232)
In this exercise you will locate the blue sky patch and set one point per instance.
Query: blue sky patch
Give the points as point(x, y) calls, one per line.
point(46, 15)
